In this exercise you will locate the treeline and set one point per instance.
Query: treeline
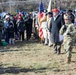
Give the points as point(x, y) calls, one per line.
point(30, 5)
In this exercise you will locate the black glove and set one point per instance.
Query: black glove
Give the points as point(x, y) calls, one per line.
point(65, 28)
point(68, 34)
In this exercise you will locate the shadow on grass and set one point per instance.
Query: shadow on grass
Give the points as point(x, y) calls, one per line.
point(17, 70)
point(65, 53)
point(8, 50)
point(18, 44)
point(74, 52)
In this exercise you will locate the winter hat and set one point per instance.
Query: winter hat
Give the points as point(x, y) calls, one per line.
point(55, 10)
point(7, 16)
point(69, 10)
point(66, 16)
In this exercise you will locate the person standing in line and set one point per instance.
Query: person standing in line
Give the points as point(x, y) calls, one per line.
point(69, 32)
point(28, 24)
point(69, 12)
point(49, 17)
point(56, 24)
point(1, 27)
point(6, 26)
point(21, 28)
point(44, 27)
point(11, 31)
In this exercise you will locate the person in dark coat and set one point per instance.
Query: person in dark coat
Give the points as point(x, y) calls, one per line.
point(1, 27)
point(56, 24)
point(21, 28)
point(28, 24)
point(15, 25)
point(6, 26)
point(11, 34)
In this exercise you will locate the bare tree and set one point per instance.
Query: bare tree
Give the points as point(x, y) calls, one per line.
point(30, 5)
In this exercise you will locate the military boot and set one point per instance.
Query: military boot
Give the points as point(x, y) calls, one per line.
point(55, 49)
point(58, 51)
point(68, 60)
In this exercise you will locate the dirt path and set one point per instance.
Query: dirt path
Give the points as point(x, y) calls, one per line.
point(32, 58)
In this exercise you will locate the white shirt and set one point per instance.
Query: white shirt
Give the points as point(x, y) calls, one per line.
point(55, 17)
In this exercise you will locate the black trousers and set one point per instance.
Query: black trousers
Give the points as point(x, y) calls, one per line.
point(0, 37)
point(28, 34)
point(57, 47)
point(22, 35)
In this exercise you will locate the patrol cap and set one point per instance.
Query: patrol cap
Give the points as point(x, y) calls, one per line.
point(69, 10)
point(66, 16)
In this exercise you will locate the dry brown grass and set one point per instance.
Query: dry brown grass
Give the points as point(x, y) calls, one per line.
point(31, 58)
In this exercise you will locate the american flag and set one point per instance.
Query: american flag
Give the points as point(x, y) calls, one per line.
point(41, 9)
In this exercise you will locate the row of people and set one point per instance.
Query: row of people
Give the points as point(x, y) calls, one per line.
point(53, 26)
point(14, 28)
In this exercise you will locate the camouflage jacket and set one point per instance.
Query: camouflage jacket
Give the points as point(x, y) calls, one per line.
point(69, 32)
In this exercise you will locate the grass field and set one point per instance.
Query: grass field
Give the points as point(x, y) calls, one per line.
point(32, 58)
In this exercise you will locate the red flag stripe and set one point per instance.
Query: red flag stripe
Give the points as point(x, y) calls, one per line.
point(41, 33)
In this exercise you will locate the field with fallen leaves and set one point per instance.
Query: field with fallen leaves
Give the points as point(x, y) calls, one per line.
point(32, 58)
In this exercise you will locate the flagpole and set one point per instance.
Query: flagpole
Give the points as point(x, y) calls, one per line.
point(55, 3)
point(50, 6)
point(10, 6)
point(33, 24)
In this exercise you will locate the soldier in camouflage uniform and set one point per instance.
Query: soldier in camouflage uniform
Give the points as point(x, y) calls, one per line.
point(69, 33)
point(1, 27)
